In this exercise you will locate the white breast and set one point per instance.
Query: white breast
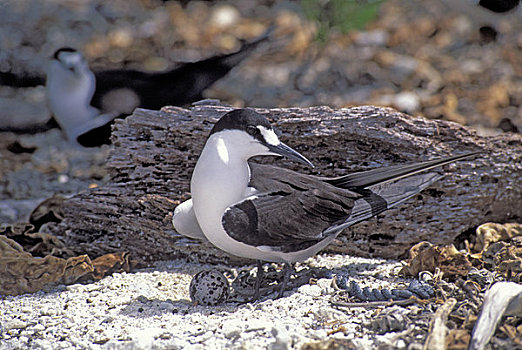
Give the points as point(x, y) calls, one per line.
point(69, 97)
point(220, 180)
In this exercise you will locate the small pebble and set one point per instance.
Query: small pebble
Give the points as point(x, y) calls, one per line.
point(15, 324)
point(26, 310)
point(376, 37)
point(23, 339)
point(74, 287)
point(38, 327)
point(232, 328)
point(259, 324)
point(62, 178)
point(407, 101)
point(310, 289)
point(283, 339)
point(325, 285)
point(108, 319)
point(47, 312)
point(225, 15)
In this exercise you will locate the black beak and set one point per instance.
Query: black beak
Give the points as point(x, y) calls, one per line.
point(290, 153)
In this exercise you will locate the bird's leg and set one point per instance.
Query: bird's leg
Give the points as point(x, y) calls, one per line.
point(288, 269)
point(259, 280)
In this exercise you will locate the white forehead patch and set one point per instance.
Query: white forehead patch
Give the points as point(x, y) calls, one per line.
point(269, 136)
point(70, 58)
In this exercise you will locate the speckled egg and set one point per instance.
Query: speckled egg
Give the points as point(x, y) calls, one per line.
point(209, 287)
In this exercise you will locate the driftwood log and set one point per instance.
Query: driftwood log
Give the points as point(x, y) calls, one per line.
point(155, 151)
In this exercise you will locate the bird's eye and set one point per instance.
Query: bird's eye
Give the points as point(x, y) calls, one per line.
point(252, 130)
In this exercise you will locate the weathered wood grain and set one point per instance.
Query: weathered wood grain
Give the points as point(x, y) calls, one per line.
point(155, 152)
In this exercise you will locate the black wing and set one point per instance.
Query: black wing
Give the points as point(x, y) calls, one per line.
point(21, 80)
point(290, 212)
point(294, 211)
point(365, 179)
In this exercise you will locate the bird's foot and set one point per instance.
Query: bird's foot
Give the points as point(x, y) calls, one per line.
point(288, 270)
point(253, 287)
point(259, 281)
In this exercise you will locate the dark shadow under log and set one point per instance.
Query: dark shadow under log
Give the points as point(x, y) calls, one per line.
point(155, 151)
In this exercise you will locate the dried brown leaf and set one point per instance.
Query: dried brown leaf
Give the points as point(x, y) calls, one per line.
point(458, 339)
point(490, 233)
point(50, 210)
point(426, 257)
point(21, 273)
point(508, 260)
point(509, 330)
point(108, 264)
point(330, 344)
point(36, 243)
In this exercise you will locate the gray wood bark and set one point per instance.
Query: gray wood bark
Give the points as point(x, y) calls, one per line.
point(155, 151)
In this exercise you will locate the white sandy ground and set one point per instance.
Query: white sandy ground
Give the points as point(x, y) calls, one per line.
point(151, 309)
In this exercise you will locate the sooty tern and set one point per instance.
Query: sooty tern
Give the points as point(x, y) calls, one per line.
point(86, 102)
point(274, 214)
point(70, 87)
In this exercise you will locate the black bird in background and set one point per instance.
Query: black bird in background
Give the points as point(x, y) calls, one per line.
point(180, 86)
point(78, 97)
point(499, 6)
